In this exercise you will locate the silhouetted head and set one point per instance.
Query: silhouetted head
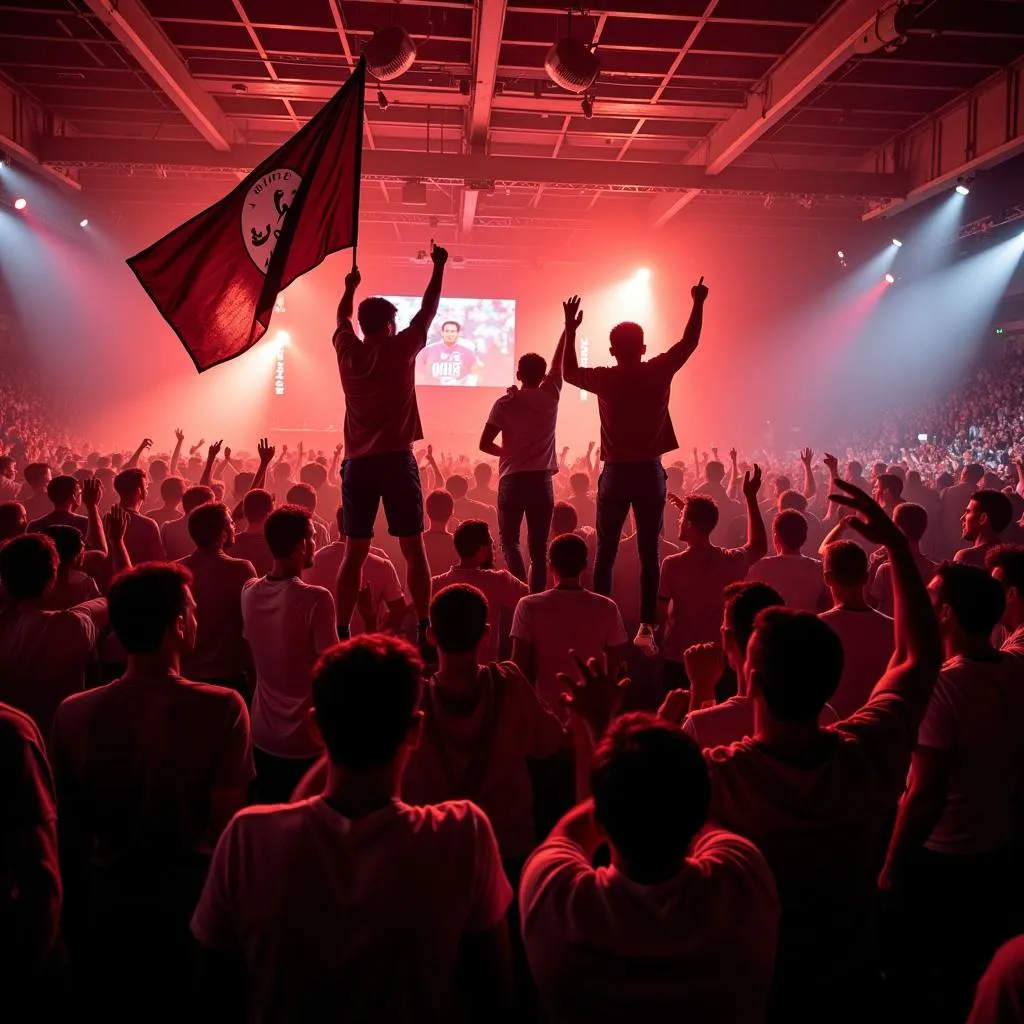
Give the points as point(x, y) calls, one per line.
point(627, 342)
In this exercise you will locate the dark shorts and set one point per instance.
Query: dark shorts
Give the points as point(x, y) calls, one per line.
point(392, 477)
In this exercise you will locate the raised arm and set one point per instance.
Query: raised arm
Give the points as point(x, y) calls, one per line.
point(570, 363)
point(757, 537)
point(179, 440)
point(687, 345)
point(348, 298)
point(211, 458)
point(134, 460)
point(432, 294)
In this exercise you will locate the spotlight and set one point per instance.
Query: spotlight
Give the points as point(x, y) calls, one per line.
point(643, 274)
point(84, 222)
point(382, 100)
point(20, 203)
point(962, 189)
point(897, 243)
point(588, 107)
point(889, 279)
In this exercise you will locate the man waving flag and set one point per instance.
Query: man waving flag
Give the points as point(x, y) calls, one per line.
point(215, 278)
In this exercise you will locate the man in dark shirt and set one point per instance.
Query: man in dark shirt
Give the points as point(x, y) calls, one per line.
point(382, 422)
point(636, 430)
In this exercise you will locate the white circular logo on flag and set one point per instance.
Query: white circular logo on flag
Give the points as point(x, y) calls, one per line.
point(266, 205)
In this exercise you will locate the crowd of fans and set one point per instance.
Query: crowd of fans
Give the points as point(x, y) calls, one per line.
point(257, 764)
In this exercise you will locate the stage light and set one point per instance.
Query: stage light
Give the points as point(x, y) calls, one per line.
point(963, 190)
point(643, 274)
point(897, 243)
point(20, 203)
point(889, 279)
point(84, 222)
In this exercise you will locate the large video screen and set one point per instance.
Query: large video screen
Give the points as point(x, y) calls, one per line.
point(471, 342)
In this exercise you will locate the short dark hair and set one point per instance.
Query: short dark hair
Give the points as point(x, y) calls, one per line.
point(977, 600)
point(68, 541)
point(567, 554)
point(257, 505)
point(61, 490)
point(35, 473)
point(791, 528)
point(651, 790)
point(846, 562)
point(195, 496)
point(564, 518)
point(911, 519)
point(207, 522)
point(28, 565)
point(366, 692)
point(744, 601)
point(303, 495)
point(1009, 558)
point(470, 536)
point(128, 481)
point(172, 488)
point(314, 474)
point(997, 506)
point(457, 486)
point(286, 528)
point(439, 505)
point(792, 500)
point(375, 314)
point(145, 602)
point(532, 368)
point(701, 512)
point(458, 617)
point(798, 661)
point(626, 338)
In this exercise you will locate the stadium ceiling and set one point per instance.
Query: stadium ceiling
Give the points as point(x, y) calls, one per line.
point(752, 113)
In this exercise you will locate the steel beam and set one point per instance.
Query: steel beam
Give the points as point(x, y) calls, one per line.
point(980, 129)
point(143, 38)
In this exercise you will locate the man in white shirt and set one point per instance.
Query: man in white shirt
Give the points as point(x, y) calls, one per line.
point(354, 905)
point(525, 418)
point(681, 926)
point(952, 856)
point(1006, 563)
point(690, 595)
point(732, 720)
point(142, 538)
point(796, 577)
point(547, 626)
point(867, 636)
point(476, 568)
point(380, 589)
point(288, 624)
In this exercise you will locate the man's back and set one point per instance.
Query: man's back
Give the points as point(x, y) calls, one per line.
point(527, 421)
point(868, 640)
point(353, 919)
point(217, 581)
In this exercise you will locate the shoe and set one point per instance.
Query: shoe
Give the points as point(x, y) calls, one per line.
point(644, 639)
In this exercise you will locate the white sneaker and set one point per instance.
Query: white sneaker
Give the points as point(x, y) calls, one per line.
point(644, 639)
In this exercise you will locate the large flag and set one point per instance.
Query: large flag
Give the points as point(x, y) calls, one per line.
point(215, 279)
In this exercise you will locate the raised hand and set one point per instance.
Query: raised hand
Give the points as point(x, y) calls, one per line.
point(115, 523)
point(179, 434)
point(873, 524)
point(699, 292)
point(805, 456)
point(266, 451)
point(353, 279)
point(92, 491)
point(832, 465)
point(438, 255)
point(214, 450)
point(596, 694)
point(573, 315)
point(752, 483)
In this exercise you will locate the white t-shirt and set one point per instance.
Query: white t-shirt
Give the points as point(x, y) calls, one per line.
point(341, 919)
point(502, 591)
point(558, 621)
point(797, 578)
point(378, 574)
point(527, 424)
point(868, 642)
point(976, 713)
point(699, 947)
point(288, 625)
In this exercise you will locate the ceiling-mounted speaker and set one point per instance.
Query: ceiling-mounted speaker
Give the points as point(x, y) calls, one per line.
point(389, 53)
point(571, 64)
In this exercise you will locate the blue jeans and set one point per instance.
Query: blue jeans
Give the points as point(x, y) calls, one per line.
point(533, 495)
point(642, 486)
